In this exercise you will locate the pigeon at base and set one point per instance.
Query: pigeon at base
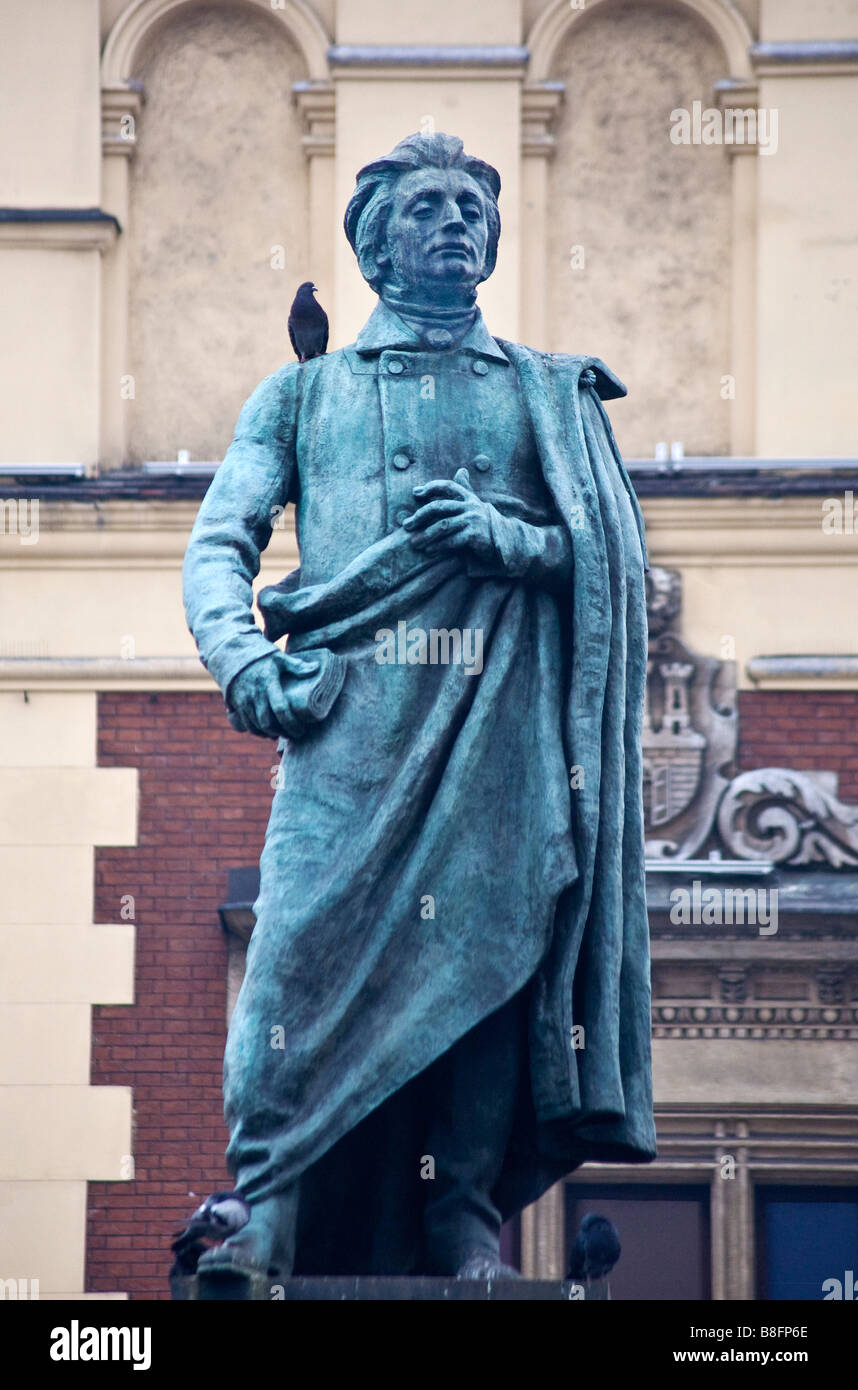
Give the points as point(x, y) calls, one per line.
point(595, 1251)
point(219, 1216)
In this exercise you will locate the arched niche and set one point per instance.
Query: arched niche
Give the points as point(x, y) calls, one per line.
point(216, 227)
point(720, 17)
point(139, 24)
point(640, 230)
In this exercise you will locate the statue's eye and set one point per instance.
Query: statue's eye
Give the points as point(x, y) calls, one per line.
point(422, 210)
point(471, 212)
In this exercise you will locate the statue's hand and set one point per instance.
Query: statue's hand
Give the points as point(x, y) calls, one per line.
point(452, 517)
point(274, 696)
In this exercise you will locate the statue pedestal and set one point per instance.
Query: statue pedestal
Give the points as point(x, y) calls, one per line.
point(365, 1289)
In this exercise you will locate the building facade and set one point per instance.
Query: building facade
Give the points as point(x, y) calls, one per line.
point(676, 199)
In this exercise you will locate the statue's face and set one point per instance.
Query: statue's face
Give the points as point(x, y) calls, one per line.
point(437, 231)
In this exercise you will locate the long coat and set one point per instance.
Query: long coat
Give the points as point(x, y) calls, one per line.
point(443, 837)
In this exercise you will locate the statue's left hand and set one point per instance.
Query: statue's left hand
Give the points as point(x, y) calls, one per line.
point(451, 517)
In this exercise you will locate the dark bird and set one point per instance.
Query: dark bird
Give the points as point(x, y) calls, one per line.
point(220, 1215)
point(308, 324)
point(596, 1250)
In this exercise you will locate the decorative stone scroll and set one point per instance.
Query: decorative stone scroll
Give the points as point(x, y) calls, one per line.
point(789, 818)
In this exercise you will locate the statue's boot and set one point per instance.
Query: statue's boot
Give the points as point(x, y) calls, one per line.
point(474, 1089)
point(266, 1245)
point(485, 1264)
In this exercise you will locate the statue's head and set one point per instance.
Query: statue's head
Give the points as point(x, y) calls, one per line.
point(425, 218)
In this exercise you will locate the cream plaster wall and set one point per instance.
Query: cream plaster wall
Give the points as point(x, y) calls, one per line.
point(781, 20)
point(108, 582)
point(56, 1131)
point(442, 22)
point(49, 104)
point(49, 377)
point(807, 257)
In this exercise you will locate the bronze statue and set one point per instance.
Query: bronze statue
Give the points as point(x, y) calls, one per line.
point(446, 1002)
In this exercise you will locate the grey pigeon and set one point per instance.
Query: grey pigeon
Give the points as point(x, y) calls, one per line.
point(596, 1250)
point(308, 324)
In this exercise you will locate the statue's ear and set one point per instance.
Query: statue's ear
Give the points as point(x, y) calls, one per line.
point(370, 263)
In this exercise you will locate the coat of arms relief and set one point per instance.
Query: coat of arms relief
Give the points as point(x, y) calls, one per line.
point(694, 800)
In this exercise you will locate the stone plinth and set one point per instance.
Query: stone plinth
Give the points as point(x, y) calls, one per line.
point(366, 1289)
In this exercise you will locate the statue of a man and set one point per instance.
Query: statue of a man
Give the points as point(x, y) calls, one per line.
point(446, 1002)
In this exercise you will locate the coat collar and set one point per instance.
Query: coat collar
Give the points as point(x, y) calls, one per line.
point(385, 329)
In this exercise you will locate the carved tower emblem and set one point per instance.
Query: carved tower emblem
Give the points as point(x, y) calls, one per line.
point(689, 730)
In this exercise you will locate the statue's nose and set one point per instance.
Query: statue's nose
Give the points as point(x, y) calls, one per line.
point(452, 215)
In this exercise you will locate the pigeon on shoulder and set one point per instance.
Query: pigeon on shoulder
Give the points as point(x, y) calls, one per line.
point(308, 324)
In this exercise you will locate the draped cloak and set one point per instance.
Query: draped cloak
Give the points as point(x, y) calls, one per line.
point(440, 839)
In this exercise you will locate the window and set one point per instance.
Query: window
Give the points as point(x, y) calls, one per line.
point(807, 1237)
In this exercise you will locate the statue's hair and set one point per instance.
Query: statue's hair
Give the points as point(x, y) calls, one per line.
point(369, 207)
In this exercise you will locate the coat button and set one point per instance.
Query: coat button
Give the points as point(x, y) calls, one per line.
point(395, 366)
point(401, 460)
point(482, 462)
point(480, 367)
point(401, 515)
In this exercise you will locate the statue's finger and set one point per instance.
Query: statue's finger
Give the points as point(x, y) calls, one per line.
point(266, 716)
point(448, 526)
point(433, 511)
point(440, 488)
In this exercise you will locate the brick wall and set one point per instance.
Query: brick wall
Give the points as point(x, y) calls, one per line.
point(204, 800)
point(803, 730)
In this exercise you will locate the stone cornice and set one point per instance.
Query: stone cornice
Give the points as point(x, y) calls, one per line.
point(57, 229)
point(806, 58)
point(695, 532)
point(104, 673)
point(807, 672)
point(427, 62)
point(382, 55)
point(694, 481)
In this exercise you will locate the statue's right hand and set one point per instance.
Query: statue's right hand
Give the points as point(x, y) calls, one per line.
point(279, 695)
